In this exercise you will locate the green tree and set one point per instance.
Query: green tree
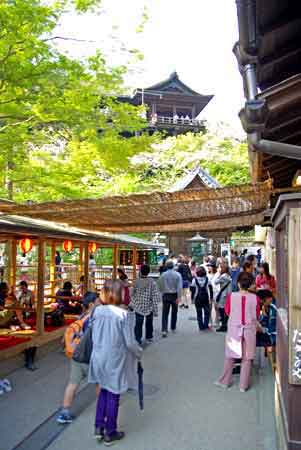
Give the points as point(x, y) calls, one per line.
point(225, 158)
point(61, 128)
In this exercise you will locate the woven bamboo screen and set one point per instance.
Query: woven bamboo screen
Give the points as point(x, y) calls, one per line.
point(214, 209)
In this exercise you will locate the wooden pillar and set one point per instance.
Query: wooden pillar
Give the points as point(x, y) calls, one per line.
point(12, 263)
point(193, 112)
point(135, 260)
point(115, 260)
point(53, 272)
point(40, 288)
point(86, 266)
point(81, 259)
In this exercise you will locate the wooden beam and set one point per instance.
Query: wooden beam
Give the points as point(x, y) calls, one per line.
point(115, 260)
point(81, 259)
point(135, 261)
point(12, 263)
point(86, 266)
point(40, 287)
point(52, 267)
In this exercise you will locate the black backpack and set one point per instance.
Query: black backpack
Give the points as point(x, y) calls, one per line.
point(202, 297)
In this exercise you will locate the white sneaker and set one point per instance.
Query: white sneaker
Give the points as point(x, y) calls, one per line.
point(243, 390)
point(222, 385)
point(6, 385)
point(2, 390)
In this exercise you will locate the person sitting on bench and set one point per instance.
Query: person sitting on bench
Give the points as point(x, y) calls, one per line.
point(10, 317)
point(68, 306)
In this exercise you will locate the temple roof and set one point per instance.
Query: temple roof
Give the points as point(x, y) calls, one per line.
point(174, 84)
point(170, 91)
point(196, 179)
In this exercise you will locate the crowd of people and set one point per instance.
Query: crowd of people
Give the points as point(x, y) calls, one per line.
point(236, 298)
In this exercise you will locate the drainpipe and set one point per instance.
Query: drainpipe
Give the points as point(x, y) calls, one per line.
point(254, 138)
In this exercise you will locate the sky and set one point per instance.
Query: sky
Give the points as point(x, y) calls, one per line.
point(193, 37)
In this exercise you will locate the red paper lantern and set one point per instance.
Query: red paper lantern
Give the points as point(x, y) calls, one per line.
point(68, 246)
point(25, 245)
point(92, 247)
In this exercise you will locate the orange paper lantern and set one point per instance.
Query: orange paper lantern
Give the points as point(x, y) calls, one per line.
point(92, 247)
point(25, 245)
point(68, 246)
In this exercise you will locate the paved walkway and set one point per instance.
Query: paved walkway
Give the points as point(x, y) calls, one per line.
point(183, 409)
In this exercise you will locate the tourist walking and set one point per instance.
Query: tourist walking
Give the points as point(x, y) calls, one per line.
point(202, 298)
point(234, 272)
point(184, 271)
point(193, 270)
point(78, 371)
point(125, 286)
point(170, 284)
point(114, 346)
point(243, 309)
point(144, 301)
point(224, 284)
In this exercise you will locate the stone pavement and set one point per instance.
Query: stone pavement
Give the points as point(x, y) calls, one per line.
point(183, 409)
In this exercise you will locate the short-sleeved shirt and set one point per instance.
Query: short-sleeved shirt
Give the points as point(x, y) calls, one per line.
point(264, 282)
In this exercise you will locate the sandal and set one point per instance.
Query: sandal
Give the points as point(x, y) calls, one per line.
point(24, 326)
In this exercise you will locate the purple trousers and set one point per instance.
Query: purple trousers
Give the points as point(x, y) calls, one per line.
point(107, 411)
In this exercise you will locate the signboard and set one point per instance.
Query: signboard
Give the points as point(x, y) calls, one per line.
point(294, 316)
point(226, 252)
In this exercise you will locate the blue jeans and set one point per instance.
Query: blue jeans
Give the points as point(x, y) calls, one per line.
point(203, 315)
point(149, 329)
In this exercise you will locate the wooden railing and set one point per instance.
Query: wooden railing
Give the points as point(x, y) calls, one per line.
point(176, 121)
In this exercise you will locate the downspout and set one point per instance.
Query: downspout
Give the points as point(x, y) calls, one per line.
point(254, 138)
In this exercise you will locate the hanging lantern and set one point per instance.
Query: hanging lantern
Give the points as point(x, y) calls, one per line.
point(92, 247)
point(68, 246)
point(25, 245)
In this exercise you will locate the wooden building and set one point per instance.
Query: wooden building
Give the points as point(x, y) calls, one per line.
point(178, 242)
point(43, 238)
point(172, 106)
point(269, 58)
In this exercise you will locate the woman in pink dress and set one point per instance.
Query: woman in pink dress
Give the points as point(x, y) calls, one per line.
point(243, 309)
point(265, 280)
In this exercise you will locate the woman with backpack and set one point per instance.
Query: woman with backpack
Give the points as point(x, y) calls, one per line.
point(203, 295)
point(114, 349)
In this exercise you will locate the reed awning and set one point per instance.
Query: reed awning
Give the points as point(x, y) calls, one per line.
point(189, 210)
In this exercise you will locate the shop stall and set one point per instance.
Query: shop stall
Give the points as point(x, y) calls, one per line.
point(45, 255)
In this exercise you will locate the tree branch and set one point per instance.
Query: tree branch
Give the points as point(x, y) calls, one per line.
point(67, 39)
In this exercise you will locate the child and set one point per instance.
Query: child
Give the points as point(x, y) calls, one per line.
point(266, 329)
point(202, 297)
point(114, 346)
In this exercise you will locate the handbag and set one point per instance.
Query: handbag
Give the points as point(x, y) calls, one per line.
point(83, 351)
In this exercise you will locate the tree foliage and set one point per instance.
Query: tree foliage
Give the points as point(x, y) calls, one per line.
point(223, 157)
point(61, 127)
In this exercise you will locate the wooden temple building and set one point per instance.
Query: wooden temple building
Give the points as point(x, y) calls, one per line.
point(269, 58)
point(178, 242)
point(171, 106)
